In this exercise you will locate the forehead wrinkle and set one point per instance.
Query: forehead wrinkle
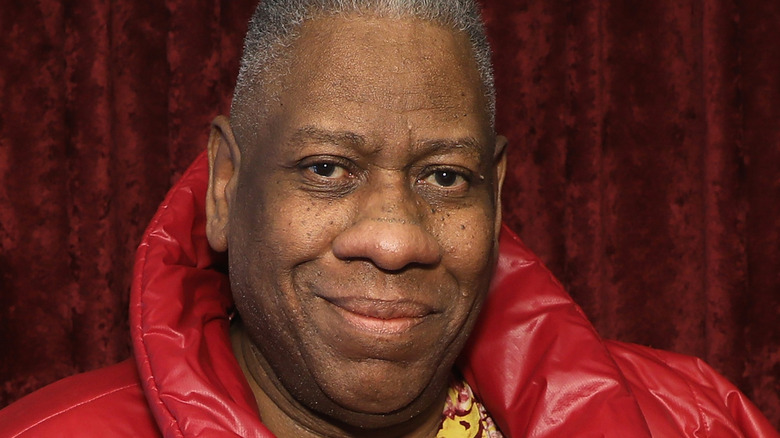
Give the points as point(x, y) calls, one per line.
point(314, 134)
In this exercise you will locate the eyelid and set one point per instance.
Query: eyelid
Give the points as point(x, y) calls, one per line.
point(320, 183)
point(337, 169)
point(465, 174)
point(309, 161)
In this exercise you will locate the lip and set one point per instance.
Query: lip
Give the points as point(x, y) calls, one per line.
point(386, 317)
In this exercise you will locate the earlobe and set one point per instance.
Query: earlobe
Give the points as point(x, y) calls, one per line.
point(224, 160)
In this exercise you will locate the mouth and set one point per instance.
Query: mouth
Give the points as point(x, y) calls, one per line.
point(381, 316)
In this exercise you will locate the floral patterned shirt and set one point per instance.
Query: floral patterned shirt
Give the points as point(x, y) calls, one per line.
point(464, 416)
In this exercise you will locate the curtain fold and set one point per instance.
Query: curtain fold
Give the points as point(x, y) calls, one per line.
point(644, 166)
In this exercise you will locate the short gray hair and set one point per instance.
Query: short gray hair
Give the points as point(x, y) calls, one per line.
point(275, 24)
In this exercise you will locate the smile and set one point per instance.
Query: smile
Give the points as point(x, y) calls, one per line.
point(380, 316)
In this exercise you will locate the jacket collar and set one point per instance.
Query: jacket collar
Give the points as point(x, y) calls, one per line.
point(534, 360)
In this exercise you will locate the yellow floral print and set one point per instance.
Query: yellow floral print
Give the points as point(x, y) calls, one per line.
point(464, 416)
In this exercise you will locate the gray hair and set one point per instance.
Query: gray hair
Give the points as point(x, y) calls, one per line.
point(275, 25)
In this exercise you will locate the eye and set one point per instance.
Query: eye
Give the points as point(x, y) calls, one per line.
point(328, 170)
point(446, 178)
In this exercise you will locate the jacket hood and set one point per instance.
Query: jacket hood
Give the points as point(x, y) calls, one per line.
point(534, 360)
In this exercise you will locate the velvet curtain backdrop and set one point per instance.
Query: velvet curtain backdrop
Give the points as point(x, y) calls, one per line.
point(644, 165)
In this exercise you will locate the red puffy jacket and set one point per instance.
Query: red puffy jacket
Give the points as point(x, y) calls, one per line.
point(535, 361)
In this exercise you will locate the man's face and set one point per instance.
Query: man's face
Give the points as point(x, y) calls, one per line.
point(363, 219)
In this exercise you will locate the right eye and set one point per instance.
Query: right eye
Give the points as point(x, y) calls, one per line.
point(447, 179)
point(328, 170)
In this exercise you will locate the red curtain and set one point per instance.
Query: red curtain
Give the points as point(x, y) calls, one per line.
point(644, 166)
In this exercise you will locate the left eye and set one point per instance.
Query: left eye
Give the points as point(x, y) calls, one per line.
point(328, 170)
point(445, 178)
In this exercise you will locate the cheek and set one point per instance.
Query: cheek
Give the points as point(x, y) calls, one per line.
point(302, 228)
point(468, 240)
point(276, 231)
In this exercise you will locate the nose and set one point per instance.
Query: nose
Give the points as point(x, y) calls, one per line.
point(388, 232)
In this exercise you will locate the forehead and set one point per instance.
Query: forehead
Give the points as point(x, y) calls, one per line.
point(412, 72)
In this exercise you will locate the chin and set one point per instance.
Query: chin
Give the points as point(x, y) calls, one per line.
point(389, 415)
point(384, 400)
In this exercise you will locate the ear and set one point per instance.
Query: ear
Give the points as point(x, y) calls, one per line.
point(499, 160)
point(224, 164)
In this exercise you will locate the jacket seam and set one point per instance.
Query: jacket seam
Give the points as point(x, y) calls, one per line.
point(70, 408)
point(624, 383)
point(702, 416)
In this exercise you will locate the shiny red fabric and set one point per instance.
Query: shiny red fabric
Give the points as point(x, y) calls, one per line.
point(534, 359)
point(644, 166)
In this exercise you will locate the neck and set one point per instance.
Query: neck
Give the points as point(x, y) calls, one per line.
point(284, 416)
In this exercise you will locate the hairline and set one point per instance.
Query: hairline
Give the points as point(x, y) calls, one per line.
point(267, 46)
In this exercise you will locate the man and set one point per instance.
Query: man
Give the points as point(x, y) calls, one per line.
point(355, 190)
point(357, 196)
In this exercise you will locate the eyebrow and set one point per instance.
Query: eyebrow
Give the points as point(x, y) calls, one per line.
point(353, 140)
point(342, 138)
point(468, 144)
